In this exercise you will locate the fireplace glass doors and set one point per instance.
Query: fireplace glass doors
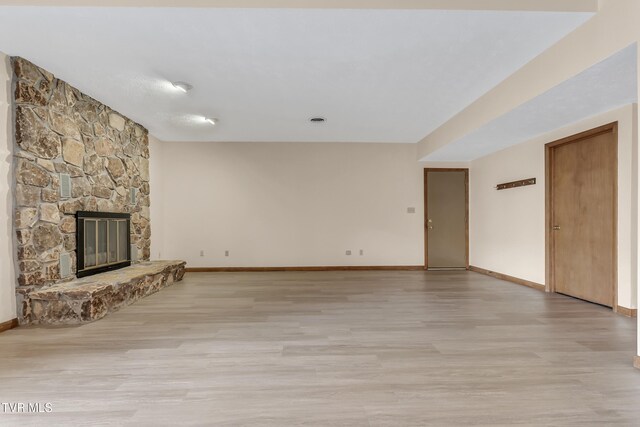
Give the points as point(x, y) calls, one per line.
point(103, 242)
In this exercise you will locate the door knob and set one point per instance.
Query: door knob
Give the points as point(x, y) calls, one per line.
point(556, 227)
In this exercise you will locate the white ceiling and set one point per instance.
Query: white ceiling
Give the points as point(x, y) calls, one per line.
point(609, 84)
point(376, 75)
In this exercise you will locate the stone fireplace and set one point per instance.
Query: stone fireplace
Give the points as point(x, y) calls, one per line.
point(74, 157)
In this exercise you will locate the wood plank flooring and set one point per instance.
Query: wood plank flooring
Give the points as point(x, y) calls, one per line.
point(360, 348)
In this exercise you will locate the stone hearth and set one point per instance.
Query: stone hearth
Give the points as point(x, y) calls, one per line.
point(91, 298)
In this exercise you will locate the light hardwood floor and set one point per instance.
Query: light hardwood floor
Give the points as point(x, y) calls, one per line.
point(331, 348)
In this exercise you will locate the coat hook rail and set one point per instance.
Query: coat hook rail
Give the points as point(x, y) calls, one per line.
point(514, 184)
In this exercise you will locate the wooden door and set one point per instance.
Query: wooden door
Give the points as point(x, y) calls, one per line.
point(446, 218)
point(583, 218)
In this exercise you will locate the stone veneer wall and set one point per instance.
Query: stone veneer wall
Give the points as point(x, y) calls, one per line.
point(61, 130)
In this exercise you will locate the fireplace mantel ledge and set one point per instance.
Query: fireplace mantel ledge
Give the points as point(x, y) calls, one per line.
point(91, 298)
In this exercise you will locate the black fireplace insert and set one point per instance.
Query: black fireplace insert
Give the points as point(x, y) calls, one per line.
point(103, 242)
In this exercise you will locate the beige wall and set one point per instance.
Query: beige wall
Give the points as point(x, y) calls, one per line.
point(7, 266)
point(507, 228)
point(290, 204)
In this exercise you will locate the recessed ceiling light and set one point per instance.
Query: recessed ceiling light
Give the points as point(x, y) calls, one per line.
point(182, 86)
point(211, 121)
point(317, 120)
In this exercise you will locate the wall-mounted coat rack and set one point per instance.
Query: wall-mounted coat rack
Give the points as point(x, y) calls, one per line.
point(514, 184)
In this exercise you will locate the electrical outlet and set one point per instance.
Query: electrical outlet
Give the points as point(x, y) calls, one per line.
point(411, 210)
point(201, 253)
point(361, 252)
point(348, 252)
point(226, 253)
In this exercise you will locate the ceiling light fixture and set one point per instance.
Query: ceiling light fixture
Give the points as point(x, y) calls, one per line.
point(182, 86)
point(211, 121)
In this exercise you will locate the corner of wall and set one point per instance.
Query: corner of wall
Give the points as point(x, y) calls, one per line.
point(8, 309)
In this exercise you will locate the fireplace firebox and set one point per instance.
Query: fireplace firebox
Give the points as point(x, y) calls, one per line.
point(103, 241)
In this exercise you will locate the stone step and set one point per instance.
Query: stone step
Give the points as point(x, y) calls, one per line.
point(91, 298)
